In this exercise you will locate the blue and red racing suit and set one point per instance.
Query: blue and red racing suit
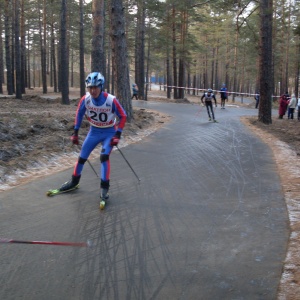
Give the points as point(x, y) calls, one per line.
point(101, 114)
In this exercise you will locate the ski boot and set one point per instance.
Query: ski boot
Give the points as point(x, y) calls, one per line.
point(71, 184)
point(209, 119)
point(66, 187)
point(104, 187)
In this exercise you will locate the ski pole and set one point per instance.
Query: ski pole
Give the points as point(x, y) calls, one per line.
point(128, 163)
point(10, 241)
point(92, 167)
point(200, 109)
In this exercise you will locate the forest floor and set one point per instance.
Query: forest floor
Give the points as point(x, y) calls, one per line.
point(34, 136)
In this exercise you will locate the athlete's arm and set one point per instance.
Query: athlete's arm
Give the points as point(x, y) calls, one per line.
point(214, 97)
point(80, 113)
point(202, 98)
point(120, 112)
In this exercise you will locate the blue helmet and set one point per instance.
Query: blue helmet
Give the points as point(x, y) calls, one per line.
point(95, 79)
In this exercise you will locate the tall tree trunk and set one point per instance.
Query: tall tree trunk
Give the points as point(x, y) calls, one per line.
point(18, 51)
point(297, 69)
point(72, 68)
point(265, 67)
point(12, 46)
point(205, 65)
point(64, 57)
point(113, 73)
point(169, 78)
point(140, 50)
point(212, 68)
point(8, 52)
point(81, 50)
point(34, 70)
point(182, 60)
point(42, 34)
point(28, 69)
point(53, 55)
point(217, 81)
point(175, 94)
point(23, 49)
point(148, 62)
point(235, 62)
point(168, 64)
point(227, 62)
point(44, 57)
point(1, 55)
point(108, 68)
point(97, 55)
point(181, 83)
point(120, 56)
point(188, 83)
point(287, 47)
point(194, 84)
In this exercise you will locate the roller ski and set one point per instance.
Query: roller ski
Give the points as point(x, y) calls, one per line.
point(103, 198)
point(68, 186)
point(103, 194)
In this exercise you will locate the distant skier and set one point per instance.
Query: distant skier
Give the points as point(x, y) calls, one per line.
point(224, 95)
point(135, 91)
point(209, 96)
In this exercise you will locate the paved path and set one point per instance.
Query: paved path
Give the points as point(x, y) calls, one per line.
point(207, 221)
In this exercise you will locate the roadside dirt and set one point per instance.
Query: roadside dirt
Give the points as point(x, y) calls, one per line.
point(34, 137)
point(283, 137)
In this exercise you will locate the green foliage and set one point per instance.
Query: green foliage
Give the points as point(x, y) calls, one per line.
point(205, 33)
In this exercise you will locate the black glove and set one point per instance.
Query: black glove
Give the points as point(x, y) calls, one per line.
point(115, 139)
point(74, 137)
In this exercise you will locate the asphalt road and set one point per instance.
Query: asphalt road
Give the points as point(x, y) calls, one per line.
point(207, 221)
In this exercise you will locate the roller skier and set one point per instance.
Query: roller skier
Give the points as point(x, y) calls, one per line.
point(101, 110)
point(208, 97)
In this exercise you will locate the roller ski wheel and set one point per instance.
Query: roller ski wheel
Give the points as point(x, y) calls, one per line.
point(102, 204)
point(103, 198)
point(55, 192)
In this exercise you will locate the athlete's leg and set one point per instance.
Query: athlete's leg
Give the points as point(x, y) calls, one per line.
point(89, 144)
point(212, 110)
point(223, 102)
point(207, 107)
point(105, 164)
point(104, 157)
